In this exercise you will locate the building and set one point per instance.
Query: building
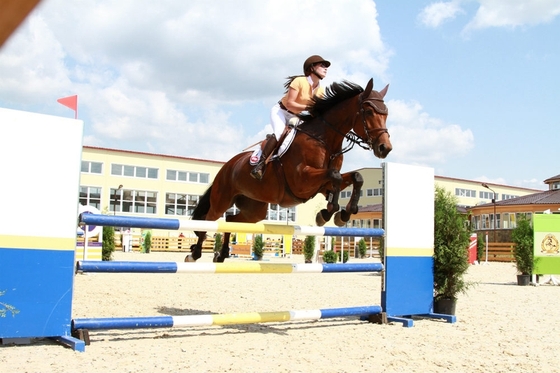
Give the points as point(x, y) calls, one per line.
point(506, 212)
point(132, 183)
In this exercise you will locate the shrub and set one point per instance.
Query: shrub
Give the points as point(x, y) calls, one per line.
point(345, 256)
point(147, 243)
point(329, 256)
point(523, 239)
point(309, 248)
point(217, 242)
point(108, 245)
point(451, 242)
point(258, 247)
point(362, 248)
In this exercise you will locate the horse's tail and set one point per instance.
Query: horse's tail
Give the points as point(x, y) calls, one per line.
point(203, 205)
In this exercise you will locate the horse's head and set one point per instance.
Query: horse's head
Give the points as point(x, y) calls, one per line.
point(370, 124)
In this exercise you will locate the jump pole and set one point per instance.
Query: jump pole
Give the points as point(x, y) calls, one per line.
point(220, 319)
point(235, 267)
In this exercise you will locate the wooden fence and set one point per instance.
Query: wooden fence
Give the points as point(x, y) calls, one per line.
point(498, 252)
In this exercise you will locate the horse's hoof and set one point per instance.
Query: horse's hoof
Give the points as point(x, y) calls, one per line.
point(216, 258)
point(189, 259)
point(319, 220)
point(338, 219)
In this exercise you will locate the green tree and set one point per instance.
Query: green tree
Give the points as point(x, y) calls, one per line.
point(451, 242)
point(108, 244)
point(217, 242)
point(309, 248)
point(523, 240)
point(258, 247)
point(362, 248)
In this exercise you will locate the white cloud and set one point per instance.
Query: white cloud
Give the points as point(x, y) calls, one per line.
point(417, 138)
point(437, 13)
point(176, 76)
point(513, 13)
point(492, 13)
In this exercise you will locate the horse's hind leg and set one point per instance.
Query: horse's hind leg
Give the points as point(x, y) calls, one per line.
point(223, 254)
point(196, 249)
point(325, 215)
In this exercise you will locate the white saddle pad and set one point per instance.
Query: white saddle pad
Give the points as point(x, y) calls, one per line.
point(283, 148)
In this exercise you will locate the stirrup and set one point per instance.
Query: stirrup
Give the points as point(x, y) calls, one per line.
point(257, 172)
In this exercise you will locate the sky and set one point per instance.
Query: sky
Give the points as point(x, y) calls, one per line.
point(473, 84)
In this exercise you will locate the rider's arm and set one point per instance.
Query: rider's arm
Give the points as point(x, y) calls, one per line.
point(291, 103)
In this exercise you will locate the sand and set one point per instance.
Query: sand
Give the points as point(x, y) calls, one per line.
point(501, 327)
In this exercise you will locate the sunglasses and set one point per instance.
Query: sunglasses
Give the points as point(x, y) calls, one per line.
point(322, 65)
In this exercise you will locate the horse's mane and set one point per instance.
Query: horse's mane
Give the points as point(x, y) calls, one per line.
point(334, 94)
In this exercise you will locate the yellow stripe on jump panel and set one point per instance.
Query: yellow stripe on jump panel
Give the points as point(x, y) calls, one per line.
point(37, 243)
point(250, 318)
point(398, 251)
point(254, 267)
point(255, 228)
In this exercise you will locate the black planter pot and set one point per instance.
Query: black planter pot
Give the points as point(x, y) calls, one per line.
point(445, 306)
point(523, 280)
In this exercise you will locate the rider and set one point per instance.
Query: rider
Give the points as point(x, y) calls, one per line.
point(300, 90)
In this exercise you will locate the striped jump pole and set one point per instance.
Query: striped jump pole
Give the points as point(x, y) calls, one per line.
point(241, 267)
point(223, 226)
point(221, 319)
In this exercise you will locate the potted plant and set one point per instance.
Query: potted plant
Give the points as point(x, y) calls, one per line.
point(362, 248)
point(330, 256)
point(523, 240)
point(309, 248)
point(258, 247)
point(451, 242)
point(217, 242)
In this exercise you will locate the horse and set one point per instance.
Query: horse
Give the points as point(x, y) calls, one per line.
point(310, 166)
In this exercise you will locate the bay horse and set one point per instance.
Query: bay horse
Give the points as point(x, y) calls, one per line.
point(310, 166)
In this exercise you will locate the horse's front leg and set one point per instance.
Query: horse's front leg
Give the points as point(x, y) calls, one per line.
point(196, 249)
point(325, 215)
point(356, 180)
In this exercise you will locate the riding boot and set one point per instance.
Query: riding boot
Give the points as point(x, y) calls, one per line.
point(268, 148)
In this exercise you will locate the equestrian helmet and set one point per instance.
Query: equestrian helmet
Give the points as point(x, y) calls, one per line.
point(312, 61)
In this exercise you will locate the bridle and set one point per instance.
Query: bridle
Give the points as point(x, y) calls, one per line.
point(352, 137)
point(374, 103)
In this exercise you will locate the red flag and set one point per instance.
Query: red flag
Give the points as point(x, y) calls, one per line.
point(70, 102)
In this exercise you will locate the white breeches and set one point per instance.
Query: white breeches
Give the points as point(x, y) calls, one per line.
point(279, 119)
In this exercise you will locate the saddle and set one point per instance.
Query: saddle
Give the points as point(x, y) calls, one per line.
point(284, 142)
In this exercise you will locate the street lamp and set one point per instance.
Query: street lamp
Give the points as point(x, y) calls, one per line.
point(115, 200)
point(494, 203)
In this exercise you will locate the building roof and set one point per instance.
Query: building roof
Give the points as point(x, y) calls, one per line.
point(544, 198)
point(378, 207)
point(552, 179)
point(153, 154)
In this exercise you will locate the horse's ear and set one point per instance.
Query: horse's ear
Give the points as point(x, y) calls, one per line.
point(368, 89)
point(383, 92)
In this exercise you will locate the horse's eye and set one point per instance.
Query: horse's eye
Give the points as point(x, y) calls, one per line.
point(369, 113)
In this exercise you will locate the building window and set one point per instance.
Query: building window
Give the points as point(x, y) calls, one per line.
point(374, 192)
point(508, 196)
point(459, 192)
point(475, 222)
point(487, 195)
point(191, 177)
point(90, 196)
point(278, 213)
point(133, 201)
point(92, 167)
point(180, 204)
point(134, 171)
